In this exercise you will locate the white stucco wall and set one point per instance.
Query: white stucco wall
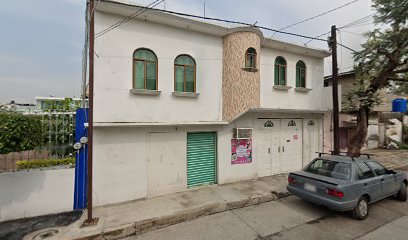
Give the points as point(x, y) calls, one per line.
point(120, 167)
point(36, 192)
point(113, 73)
point(291, 99)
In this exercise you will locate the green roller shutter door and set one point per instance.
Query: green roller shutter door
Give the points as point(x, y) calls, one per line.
point(201, 159)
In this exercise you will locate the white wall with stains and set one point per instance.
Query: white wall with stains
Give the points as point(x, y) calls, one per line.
point(36, 192)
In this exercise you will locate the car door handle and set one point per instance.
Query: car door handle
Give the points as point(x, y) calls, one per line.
point(382, 179)
point(365, 184)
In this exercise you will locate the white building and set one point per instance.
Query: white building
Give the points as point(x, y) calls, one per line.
point(170, 91)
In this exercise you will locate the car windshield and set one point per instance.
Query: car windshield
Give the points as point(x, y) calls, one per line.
point(339, 170)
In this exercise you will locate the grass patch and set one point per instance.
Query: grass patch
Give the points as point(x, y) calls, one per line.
point(400, 145)
point(43, 163)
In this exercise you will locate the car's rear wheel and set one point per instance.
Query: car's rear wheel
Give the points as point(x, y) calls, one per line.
point(360, 211)
point(402, 194)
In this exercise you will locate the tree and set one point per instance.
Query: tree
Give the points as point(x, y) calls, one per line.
point(382, 61)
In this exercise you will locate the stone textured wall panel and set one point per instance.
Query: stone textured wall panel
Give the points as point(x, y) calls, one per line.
point(240, 88)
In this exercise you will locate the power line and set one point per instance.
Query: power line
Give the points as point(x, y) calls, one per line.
point(319, 15)
point(235, 22)
point(130, 17)
point(358, 34)
point(155, 3)
point(353, 23)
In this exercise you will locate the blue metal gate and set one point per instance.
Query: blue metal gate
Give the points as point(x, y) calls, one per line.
point(81, 162)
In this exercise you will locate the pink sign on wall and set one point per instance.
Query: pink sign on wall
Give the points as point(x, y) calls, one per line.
point(241, 151)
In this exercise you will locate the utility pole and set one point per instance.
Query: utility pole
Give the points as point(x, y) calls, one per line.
point(335, 93)
point(90, 220)
point(85, 57)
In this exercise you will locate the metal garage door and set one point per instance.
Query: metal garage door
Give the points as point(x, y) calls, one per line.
point(201, 158)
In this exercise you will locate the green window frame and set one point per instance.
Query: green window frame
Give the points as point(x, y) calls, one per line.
point(250, 58)
point(300, 74)
point(280, 71)
point(184, 74)
point(145, 69)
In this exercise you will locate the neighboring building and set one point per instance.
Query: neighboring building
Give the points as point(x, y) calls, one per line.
point(348, 123)
point(172, 94)
point(51, 103)
point(24, 108)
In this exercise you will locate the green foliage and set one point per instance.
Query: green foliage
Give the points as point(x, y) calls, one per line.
point(384, 56)
point(400, 145)
point(19, 132)
point(66, 105)
point(358, 95)
point(42, 163)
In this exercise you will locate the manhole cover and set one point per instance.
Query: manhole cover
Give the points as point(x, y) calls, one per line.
point(44, 234)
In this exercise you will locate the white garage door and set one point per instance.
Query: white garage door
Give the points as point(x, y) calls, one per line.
point(311, 139)
point(278, 145)
point(291, 144)
point(166, 163)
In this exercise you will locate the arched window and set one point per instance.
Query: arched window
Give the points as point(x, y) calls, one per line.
point(144, 69)
point(300, 74)
point(280, 71)
point(184, 74)
point(250, 58)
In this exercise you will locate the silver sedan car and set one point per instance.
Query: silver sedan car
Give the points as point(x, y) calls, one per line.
point(343, 183)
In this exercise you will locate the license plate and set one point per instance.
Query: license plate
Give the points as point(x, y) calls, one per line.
point(310, 187)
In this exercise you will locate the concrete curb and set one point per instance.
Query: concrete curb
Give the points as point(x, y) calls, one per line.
point(183, 216)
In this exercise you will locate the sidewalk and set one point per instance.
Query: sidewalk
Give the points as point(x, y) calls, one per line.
point(118, 221)
point(132, 218)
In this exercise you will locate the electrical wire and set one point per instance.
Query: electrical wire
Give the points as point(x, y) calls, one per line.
point(235, 22)
point(130, 17)
point(348, 25)
point(319, 15)
point(155, 3)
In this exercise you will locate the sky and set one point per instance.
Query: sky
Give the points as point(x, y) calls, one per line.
point(41, 41)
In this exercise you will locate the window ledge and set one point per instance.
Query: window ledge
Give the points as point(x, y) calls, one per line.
point(302, 89)
point(145, 92)
point(281, 87)
point(250, 69)
point(186, 94)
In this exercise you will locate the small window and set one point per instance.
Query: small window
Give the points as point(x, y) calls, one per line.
point(377, 168)
point(300, 74)
point(280, 71)
point(311, 123)
point(363, 171)
point(268, 124)
point(291, 123)
point(250, 58)
point(184, 74)
point(144, 69)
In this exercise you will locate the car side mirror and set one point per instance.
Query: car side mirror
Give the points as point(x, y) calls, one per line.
point(391, 172)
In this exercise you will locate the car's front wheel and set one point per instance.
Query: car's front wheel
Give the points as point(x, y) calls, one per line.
point(360, 211)
point(402, 194)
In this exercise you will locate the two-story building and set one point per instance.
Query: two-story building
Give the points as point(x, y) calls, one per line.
point(181, 103)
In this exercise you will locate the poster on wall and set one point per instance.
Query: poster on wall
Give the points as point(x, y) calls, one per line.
point(241, 151)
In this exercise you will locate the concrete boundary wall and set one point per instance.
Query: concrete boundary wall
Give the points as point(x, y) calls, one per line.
point(36, 192)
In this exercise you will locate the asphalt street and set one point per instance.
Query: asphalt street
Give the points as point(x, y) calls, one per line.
point(291, 218)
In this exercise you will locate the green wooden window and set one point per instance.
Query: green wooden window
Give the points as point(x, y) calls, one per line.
point(144, 69)
point(300, 74)
point(184, 74)
point(250, 58)
point(280, 71)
